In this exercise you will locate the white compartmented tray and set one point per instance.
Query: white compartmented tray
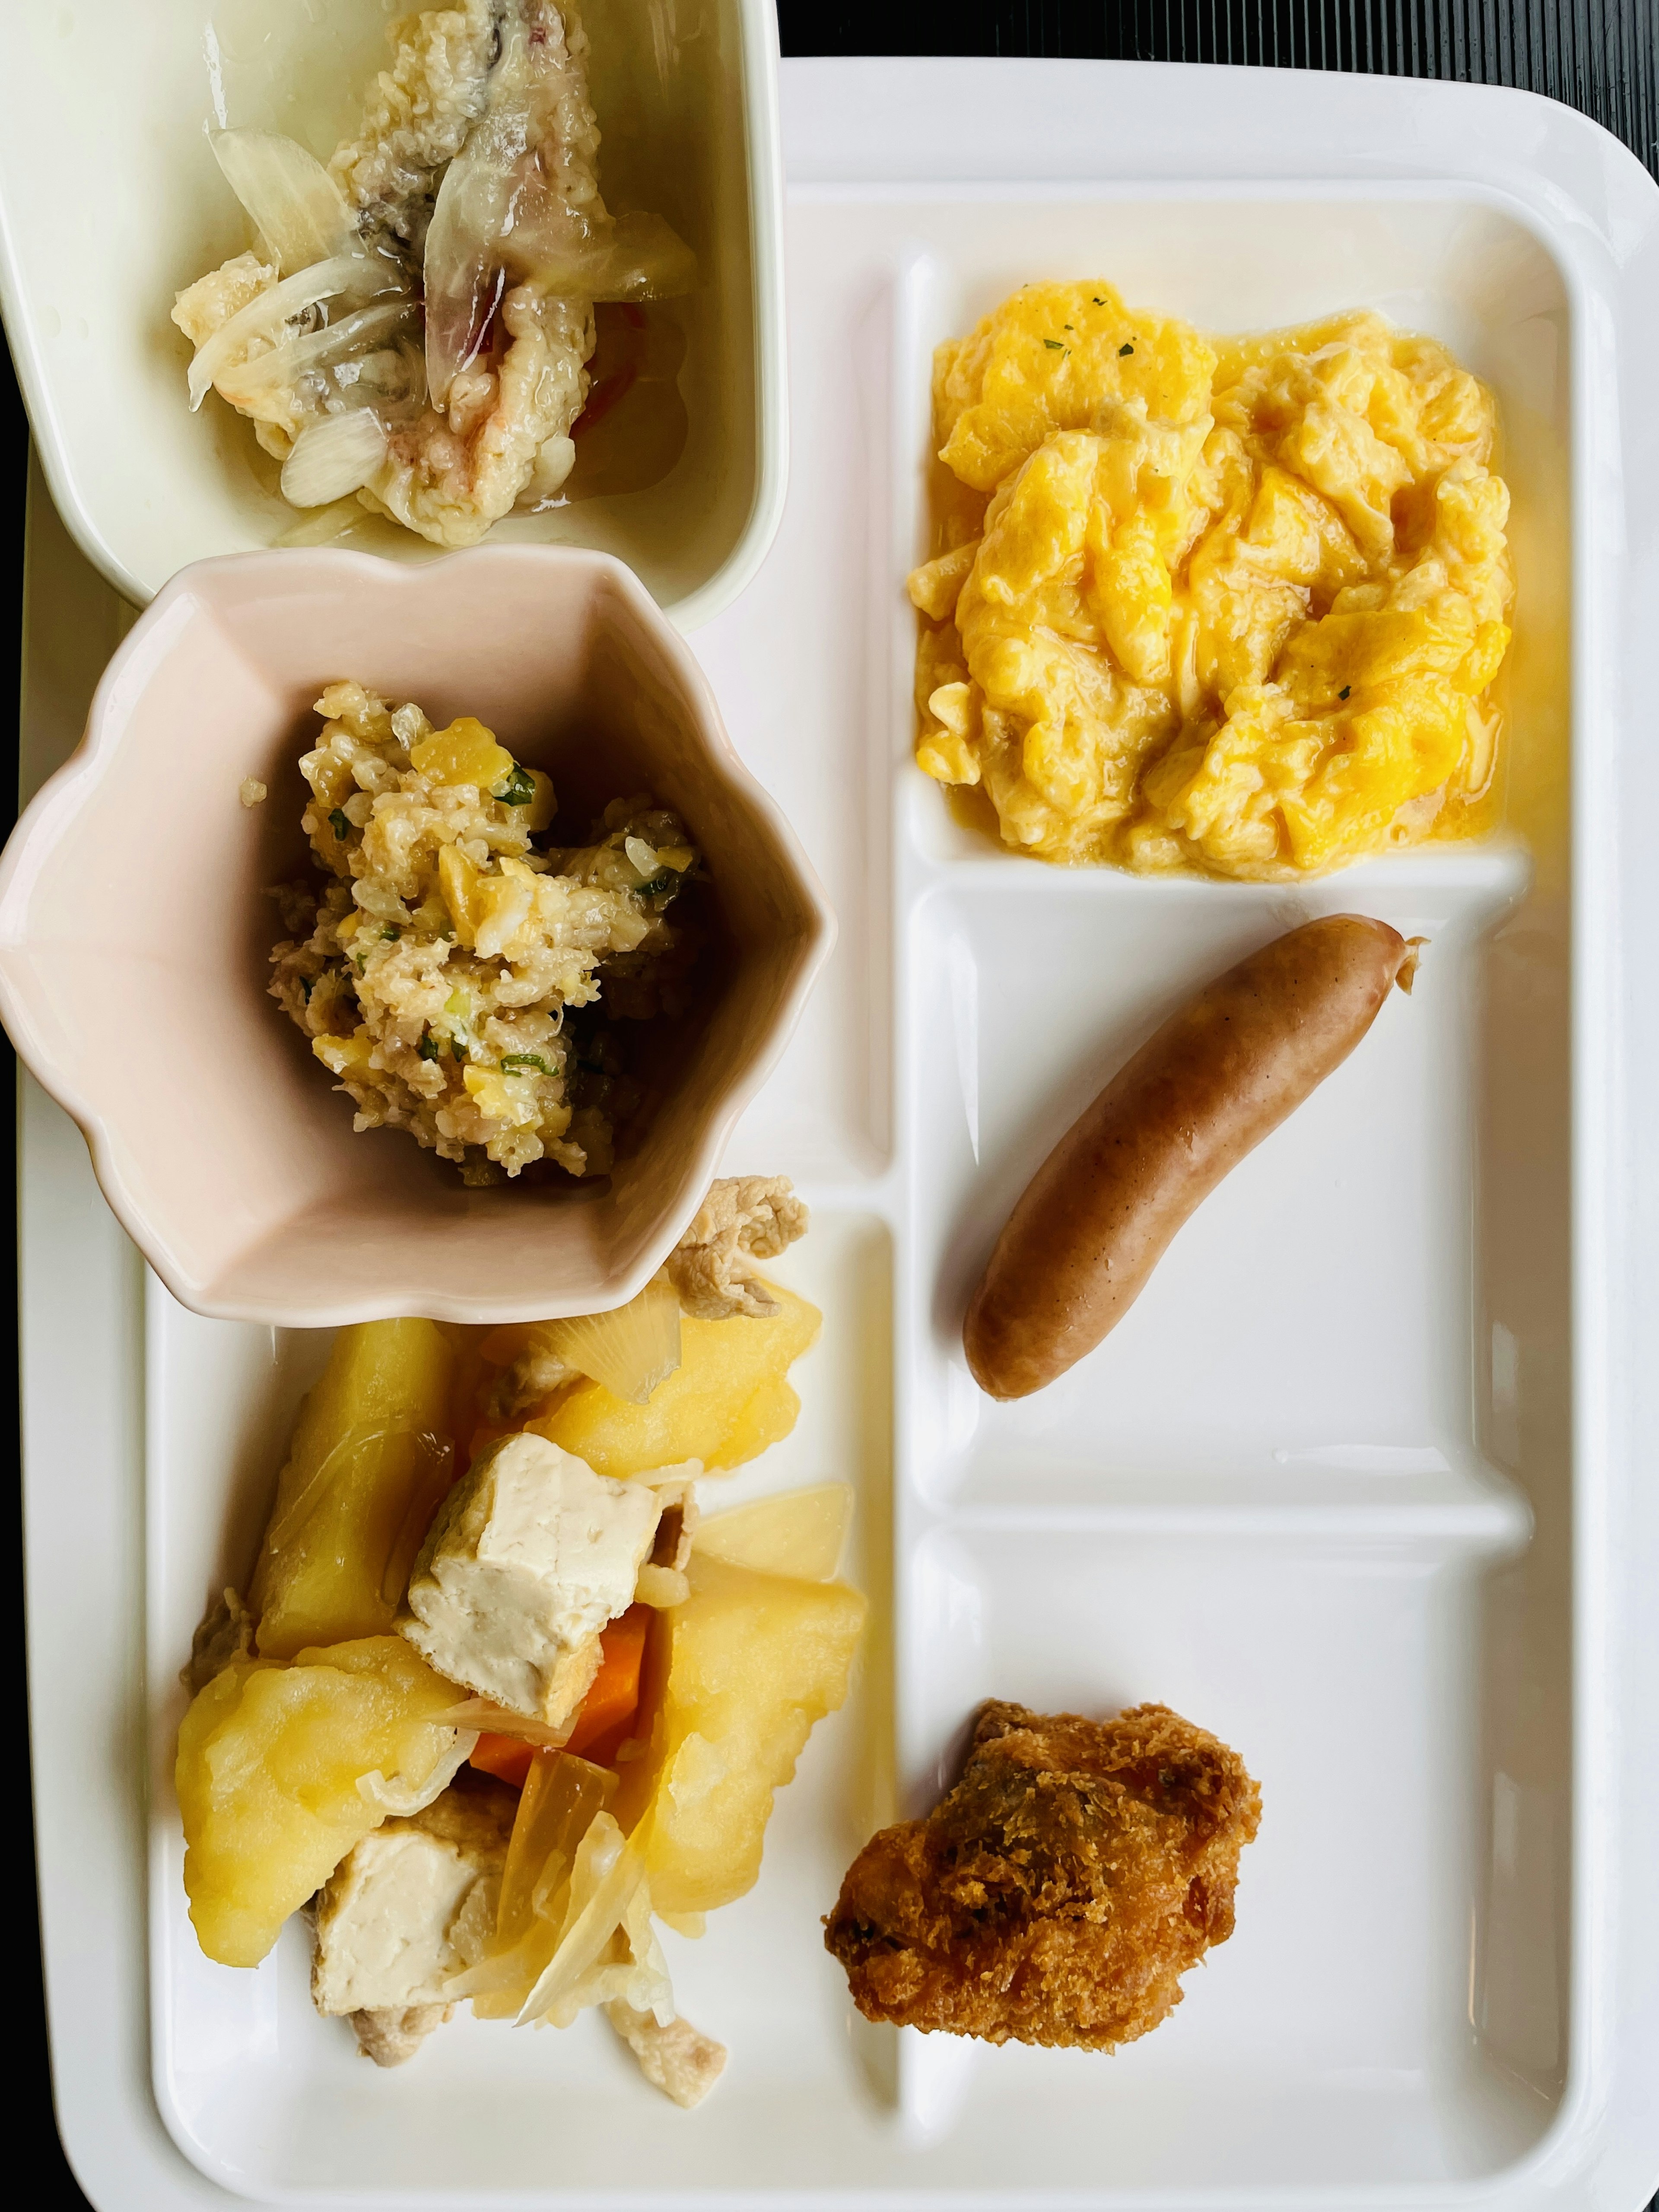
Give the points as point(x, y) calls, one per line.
point(1365, 1482)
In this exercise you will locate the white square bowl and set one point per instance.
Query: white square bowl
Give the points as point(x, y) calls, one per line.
point(111, 202)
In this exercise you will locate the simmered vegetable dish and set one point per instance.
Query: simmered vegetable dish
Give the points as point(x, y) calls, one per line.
point(496, 1699)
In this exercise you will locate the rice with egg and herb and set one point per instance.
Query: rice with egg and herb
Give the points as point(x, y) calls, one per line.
point(435, 965)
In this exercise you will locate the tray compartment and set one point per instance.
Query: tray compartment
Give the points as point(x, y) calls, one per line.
point(1314, 1490)
point(266, 2098)
point(1344, 1671)
point(1308, 1328)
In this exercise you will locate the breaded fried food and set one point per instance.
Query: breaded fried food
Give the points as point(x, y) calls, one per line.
point(1058, 1893)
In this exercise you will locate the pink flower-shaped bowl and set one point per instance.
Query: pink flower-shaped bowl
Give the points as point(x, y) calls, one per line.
point(134, 932)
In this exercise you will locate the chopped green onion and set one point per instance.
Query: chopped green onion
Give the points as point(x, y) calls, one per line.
point(429, 1048)
point(457, 1048)
point(524, 1060)
point(357, 962)
point(1055, 345)
point(519, 789)
point(389, 936)
point(338, 825)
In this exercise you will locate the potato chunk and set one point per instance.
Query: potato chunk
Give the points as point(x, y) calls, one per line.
point(728, 1398)
point(371, 1460)
point(270, 1756)
point(799, 1534)
point(754, 1661)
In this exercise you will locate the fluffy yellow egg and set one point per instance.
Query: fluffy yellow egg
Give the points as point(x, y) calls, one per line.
point(1227, 604)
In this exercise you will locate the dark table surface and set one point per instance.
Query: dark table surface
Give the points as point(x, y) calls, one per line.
point(1601, 56)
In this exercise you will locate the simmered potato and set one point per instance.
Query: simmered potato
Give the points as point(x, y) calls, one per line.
point(728, 1398)
point(754, 1661)
point(371, 1460)
point(269, 1757)
point(799, 1532)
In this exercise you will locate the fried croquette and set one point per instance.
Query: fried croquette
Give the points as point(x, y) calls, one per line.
point(1058, 1893)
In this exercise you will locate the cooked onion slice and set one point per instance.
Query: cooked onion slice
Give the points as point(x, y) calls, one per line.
point(488, 235)
point(362, 1438)
point(402, 1797)
point(353, 337)
point(334, 456)
point(606, 1881)
point(625, 256)
point(630, 1350)
point(475, 206)
point(354, 277)
point(295, 206)
point(496, 222)
point(487, 1718)
point(561, 1798)
point(797, 1533)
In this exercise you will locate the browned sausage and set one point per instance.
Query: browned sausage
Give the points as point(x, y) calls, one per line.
point(1205, 1090)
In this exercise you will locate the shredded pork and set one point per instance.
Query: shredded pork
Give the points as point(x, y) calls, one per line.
point(743, 1219)
point(678, 2059)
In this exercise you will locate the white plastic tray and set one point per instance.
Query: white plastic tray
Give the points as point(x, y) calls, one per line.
point(1366, 1482)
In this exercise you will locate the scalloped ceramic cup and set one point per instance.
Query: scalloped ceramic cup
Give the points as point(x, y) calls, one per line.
point(134, 932)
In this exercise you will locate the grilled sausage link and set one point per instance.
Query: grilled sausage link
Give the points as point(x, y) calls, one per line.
point(1205, 1090)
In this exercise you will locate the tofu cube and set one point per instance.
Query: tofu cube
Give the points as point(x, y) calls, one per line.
point(409, 1905)
point(531, 1556)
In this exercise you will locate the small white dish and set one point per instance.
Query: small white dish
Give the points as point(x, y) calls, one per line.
point(110, 201)
point(134, 932)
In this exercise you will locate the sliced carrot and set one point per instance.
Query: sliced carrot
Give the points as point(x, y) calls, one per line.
point(604, 1715)
point(504, 1756)
point(610, 1702)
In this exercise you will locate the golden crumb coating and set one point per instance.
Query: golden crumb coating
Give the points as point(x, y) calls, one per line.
point(1058, 1893)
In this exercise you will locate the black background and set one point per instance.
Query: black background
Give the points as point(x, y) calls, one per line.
point(1601, 56)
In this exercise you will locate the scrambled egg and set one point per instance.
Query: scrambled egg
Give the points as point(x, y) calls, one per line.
point(1226, 604)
